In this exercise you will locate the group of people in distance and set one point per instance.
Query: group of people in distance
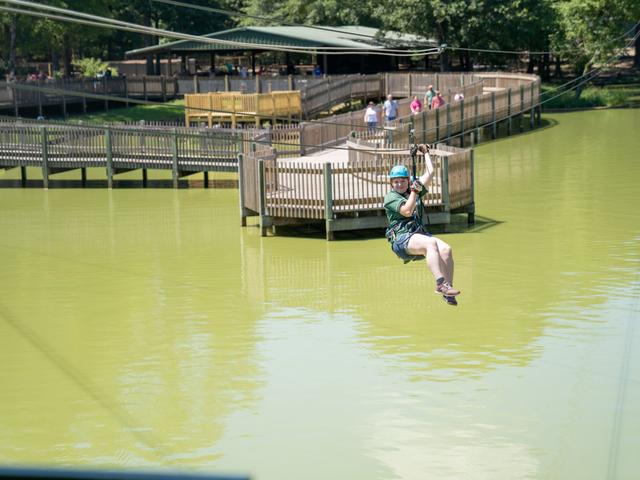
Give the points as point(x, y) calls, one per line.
point(390, 110)
point(432, 100)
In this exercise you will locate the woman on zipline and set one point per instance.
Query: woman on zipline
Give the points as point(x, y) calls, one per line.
point(409, 240)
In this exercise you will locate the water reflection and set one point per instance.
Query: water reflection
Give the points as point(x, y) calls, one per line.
point(146, 328)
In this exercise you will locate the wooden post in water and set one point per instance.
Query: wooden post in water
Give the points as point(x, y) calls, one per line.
point(83, 176)
point(174, 155)
point(477, 120)
point(144, 178)
point(328, 201)
point(206, 179)
point(45, 158)
point(109, 151)
point(509, 112)
point(262, 193)
point(494, 127)
point(521, 108)
point(226, 83)
point(445, 185)
point(241, 187)
point(532, 111)
point(23, 176)
point(472, 208)
point(196, 87)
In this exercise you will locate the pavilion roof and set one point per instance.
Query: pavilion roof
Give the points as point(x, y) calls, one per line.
point(347, 37)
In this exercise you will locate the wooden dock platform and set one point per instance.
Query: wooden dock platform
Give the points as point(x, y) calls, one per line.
point(345, 189)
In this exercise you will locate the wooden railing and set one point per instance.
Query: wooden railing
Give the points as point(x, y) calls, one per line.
point(516, 95)
point(235, 107)
point(23, 94)
point(293, 189)
point(55, 147)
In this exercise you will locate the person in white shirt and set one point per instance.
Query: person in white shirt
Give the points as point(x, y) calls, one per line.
point(371, 117)
point(390, 109)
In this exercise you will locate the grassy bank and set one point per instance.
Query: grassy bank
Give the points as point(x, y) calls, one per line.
point(169, 111)
point(607, 96)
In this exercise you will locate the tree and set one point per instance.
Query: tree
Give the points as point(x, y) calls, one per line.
point(591, 31)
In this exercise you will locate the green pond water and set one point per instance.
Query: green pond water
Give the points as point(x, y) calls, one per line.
point(146, 329)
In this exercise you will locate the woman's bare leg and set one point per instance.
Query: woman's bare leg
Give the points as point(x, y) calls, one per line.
point(446, 256)
point(427, 246)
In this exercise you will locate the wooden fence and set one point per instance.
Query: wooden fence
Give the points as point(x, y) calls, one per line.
point(515, 95)
point(348, 195)
point(59, 147)
point(233, 108)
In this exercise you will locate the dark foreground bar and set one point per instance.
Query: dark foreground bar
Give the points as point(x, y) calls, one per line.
point(29, 473)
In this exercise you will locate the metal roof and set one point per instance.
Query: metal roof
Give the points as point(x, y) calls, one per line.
point(348, 37)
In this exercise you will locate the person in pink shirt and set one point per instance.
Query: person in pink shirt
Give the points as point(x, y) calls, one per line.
point(416, 106)
point(438, 101)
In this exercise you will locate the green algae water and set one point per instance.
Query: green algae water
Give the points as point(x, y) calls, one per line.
point(146, 329)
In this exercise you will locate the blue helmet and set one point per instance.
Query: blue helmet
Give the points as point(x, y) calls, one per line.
point(399, 171)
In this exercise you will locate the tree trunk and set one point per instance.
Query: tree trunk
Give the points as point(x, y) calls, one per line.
point(148, 40)
point(545, 74)
point(468, 63)
point(55, 60)
point(531, 64)
point(580, 86)
point(67, 55)
point(12, 44)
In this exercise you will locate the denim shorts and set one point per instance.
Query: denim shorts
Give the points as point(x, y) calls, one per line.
point(400, 244)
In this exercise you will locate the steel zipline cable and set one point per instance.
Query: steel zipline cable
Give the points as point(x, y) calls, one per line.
point(584, 78)
point(72, 16)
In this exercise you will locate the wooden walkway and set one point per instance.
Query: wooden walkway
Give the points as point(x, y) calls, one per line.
point(284, 177)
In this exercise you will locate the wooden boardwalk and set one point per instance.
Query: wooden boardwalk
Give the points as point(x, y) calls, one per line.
point(284, 177)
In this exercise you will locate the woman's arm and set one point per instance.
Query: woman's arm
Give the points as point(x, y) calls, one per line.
point(409, 206)
point(429, 170)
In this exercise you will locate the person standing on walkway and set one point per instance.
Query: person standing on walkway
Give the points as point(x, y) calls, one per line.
point(416, 106)
point(438, 101)
point(390, 109)
point(409, 240)
point(371, 117)
point(428, 97)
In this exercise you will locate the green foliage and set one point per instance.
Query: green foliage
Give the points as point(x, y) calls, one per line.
point(170, 111)
point(589, 31)
point(90, 67)
point(591, 97)
point(584, 32)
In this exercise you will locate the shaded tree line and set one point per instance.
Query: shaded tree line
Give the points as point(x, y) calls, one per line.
point(583, 33)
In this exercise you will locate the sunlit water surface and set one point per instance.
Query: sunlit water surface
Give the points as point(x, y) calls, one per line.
point(146, 329)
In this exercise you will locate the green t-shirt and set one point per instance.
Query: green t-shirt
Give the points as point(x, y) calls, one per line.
point(392, 203)
point(428, 97)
